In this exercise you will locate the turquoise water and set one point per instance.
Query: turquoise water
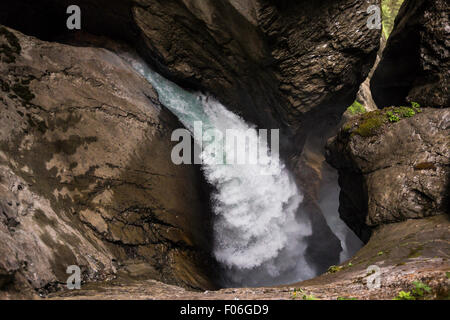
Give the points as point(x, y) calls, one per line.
point(257, 237)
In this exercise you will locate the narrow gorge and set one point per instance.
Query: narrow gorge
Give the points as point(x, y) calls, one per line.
point(90, 123)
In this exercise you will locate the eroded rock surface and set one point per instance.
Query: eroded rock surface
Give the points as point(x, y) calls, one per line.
point(413, 250)
point(415, 63)
point(271, 61)
point(390, 172)
point(85, 172)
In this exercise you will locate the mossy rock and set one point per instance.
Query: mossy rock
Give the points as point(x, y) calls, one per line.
point(369, 124)
point(356, 108)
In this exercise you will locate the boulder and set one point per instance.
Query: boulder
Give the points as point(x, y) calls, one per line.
point(86, 176)
point(416, 62)
point(392, 171)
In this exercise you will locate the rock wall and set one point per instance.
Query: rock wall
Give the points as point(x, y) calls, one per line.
point(393, 170)
point(415, 63)
point(85, 172)
point(271, 61)
point(292, 65)
point(390, 172)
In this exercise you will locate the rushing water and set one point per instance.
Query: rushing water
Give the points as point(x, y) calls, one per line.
point(257, 236)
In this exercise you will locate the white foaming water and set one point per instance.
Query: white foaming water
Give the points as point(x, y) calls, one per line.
point(257, 236)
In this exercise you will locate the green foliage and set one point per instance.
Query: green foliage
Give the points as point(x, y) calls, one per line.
point(346, 298)
point(309, 297)
point(420, 289)
point(415, 105)
point(447, 274)
point(370, 272)
point(334, 269)
point(392, 117)
point(395, 114)
point(296, 293)
point(389, 11)
point(371, 122)
point(403, 295)
point(380, 253)
point(347, 126)
point(356, 108)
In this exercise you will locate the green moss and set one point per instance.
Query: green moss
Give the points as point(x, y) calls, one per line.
point(415, 252)
point(334, 269)
point(347, 126)
point(389, 11)
point(392, 117)
point(415, 105)
point(309, 297)
point(403, 295)
point(371, 123)
point(405, 112)
point(356, 108)
point(346, 298)
point(420, 289)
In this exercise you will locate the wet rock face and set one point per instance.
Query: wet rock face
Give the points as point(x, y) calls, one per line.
point(279, 64)
point(85, 171)
point(415, 63)
point(271, 61)
point(395, 172)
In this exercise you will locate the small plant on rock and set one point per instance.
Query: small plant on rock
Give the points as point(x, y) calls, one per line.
point(403, 295)
point(296, 293)
point(392, 117)
point(356, 108)
point(309, 297)
point(334, 269)
point(420, 289)
point(415, 105)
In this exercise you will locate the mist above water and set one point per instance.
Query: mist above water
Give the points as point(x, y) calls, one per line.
point(257, 237)
point(259, 233)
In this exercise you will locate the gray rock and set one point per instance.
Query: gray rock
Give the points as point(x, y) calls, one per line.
point(415, 65)
point(86, 176)
point(399, 171)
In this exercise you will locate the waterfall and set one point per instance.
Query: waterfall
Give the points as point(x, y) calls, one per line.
point(258, 237)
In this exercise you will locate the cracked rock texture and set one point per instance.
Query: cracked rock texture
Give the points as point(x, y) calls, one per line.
point(401, 171)
point(413, 250)
point(292, 65)
point(85, 172)
point(272, 61)
point(415, 65)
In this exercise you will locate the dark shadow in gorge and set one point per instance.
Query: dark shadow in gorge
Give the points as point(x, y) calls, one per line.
point(44, 20)
point(178, 242)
